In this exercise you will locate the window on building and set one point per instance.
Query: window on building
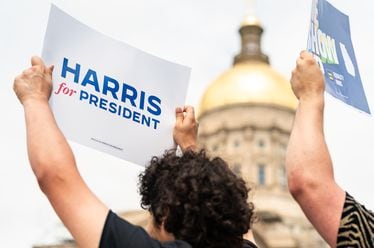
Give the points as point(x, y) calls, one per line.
point(261, 174)
point(282, 176)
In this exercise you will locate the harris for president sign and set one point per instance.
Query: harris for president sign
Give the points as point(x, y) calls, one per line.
point(111, 96)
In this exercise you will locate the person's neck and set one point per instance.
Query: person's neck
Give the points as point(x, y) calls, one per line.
point(158, 232)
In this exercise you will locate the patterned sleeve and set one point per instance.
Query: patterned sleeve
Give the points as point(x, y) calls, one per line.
point(356, 225)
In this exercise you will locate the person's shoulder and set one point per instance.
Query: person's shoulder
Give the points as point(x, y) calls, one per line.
point(118, 232)
point(176, 244)
point(356, 225)
point(351, 205)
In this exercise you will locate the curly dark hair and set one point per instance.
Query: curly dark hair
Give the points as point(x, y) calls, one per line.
point(199, 199)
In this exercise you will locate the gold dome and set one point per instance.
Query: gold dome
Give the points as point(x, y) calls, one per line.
point(251, 79)
point(250, 82)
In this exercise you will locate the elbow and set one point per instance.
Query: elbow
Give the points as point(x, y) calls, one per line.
point(50, 177)
point(295, 184)
point(51, 170)
point(47, 178)
point(300, 183)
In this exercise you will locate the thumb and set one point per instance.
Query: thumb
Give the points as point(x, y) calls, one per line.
point(179, 115)
point(35, 60)
point(49, 70)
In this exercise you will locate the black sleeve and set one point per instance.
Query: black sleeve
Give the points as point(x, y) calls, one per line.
point(118, 232)
point(248, 244)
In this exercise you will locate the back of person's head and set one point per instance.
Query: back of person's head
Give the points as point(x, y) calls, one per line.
point(197, 199)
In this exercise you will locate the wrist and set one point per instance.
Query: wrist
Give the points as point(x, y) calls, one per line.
point(189, 147)
point(315, 101)
point(32, 101)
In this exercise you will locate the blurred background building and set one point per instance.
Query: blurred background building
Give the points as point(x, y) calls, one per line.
point(246, 116)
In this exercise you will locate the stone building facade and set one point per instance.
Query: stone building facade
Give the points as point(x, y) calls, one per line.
point(246, 117)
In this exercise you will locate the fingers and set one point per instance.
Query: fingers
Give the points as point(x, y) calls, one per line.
point(306, 59)
point(179, 116)
point(300, 58)
point(38, 64)
point(49, 70)
point(185, 113)
point(35, 60)
point(305, 55)
point(190, 112)
point(299, 62)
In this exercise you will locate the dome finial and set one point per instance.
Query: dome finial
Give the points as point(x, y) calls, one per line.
point(250, 18)
point(251, 32)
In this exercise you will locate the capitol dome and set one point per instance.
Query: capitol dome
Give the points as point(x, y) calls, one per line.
point(251, 79)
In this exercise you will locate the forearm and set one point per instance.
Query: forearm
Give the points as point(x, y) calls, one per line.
point(54, 166)
point(307, 154)
point(310, 171)
point(48, 149)
point(309, 166)
point(53, 162)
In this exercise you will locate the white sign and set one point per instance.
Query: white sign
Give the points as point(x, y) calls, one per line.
point(108, 95)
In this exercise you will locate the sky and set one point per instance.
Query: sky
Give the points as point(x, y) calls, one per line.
point(202, 34)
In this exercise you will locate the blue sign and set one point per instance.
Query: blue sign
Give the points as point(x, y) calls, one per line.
point(330, 42)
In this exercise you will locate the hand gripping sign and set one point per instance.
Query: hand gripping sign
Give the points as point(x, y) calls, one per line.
point(330, 42)
point(108, 95)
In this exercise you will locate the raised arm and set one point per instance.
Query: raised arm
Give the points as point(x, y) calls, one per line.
point(53, 162)
point(309, 166)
